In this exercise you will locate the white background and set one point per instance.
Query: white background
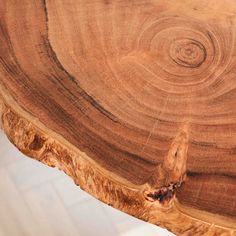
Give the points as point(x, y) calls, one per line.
point(39, 200)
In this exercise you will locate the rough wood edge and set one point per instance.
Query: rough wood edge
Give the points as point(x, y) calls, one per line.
point(32, 138)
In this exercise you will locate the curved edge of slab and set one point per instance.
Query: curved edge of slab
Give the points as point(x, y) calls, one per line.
point(35, 140)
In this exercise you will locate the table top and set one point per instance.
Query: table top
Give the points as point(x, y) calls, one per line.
point(135, 100)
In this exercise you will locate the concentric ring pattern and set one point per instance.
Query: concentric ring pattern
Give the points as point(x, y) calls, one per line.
point(120, 80)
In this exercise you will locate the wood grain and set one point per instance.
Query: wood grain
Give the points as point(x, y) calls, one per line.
point(135, 100)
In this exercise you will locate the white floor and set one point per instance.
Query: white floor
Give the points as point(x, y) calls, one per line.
point(39, 200)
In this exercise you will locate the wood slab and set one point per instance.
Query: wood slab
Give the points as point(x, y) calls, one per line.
point(135, 100)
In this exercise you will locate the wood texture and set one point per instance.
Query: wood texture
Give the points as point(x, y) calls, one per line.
point(135, 100)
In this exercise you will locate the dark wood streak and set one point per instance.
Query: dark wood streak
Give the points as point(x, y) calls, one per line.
point(214, 174)
point(84, 137)
point(82, 92)
point(205, 144)
point(52, 55)
point(215, 187)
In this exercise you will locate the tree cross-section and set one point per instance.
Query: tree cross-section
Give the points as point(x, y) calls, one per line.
point(134, 99)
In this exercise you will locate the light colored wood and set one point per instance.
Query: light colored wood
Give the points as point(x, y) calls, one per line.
point(29, 187)
point(135, 100)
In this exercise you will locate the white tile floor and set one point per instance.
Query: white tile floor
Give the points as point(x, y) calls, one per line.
point(38, 200)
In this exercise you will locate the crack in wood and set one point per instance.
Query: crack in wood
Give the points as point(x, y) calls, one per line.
point(173, 169)
point(164, 194)
point(172, 172)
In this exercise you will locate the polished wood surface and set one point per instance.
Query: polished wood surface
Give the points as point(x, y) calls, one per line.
point(135, 100)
